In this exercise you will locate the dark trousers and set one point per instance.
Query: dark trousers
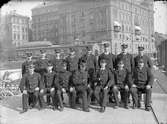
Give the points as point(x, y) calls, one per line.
point(49, 95)
point(101, 95)
point(81, 93)
point(59, 99)
point(124, 94)
point(136, 94)
point(35, 97)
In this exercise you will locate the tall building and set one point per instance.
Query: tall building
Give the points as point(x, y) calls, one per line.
point(160, 16)
point(16, 28)
point(116, 21)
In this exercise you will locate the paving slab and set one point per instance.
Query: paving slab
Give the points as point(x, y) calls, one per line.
point(160, 107)
point(10, 114)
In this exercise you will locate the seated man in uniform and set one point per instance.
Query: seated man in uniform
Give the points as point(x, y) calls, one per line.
point(49, 89)
point(62, 85)
point(121, 76)
point(80, 86)
point(142, 83)
point(104, 79)
point(30, 86)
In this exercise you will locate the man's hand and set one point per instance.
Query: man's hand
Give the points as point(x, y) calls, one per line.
point(133, 85)
point(71, 89)
point(63, 90)
point(105, 88)
point(24, 91)
point(88, 85)
point(126, 87)
point(148, 87)
point(37, 89)
point(42, 91)
point(52, 89)
point(95, 83)
point(115, 87)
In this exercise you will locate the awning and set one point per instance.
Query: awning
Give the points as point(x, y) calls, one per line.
point(117, 24)
point(137, 28)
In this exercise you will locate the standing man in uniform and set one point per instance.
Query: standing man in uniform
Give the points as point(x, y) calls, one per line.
point(104, 79)
point(30, 86)
point(41, 64)
point(91, 66)
point(109, 57)
point(72, 61)
point(146, 59)
point(57, 61)
point(26, 63)
point(126, 57)
point(142, 82)
point(80, 86)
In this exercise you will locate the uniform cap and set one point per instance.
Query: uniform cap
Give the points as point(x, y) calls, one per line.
point(106, 45)
point(82, 63)
point(50, 64)
point(42, 51)
point(89, 48)
point(31, 66)
point(28, 54)
point(57, 51)
point(140, 48)
point(72, 49)
point(124, 46)
point(103, 60)
point(140, 60)
point(120, 61)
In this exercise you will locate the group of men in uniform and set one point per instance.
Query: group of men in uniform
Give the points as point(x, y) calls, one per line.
point(91, 78)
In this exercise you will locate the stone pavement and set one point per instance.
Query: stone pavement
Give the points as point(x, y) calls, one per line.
point(160, 107)
point(10, 108)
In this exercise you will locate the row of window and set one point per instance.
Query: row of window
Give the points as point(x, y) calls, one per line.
point(127, 6)
point(17, 36)
point(19, 28)
point(19, 20)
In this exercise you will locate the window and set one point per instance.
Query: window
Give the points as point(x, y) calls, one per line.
point(18, 36)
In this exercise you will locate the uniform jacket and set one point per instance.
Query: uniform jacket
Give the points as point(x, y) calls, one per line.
point(64, 78)
point(49, 79)
point(80, 79)
point(72, 63)
point(91, 62)
point(30, 82)
point(146, 59)
point(41, 66)
point(25, 66)
point(142, 77)
point(127, 60)
point(110, 60)
point(122, 77)
point(57, 64)
point(104, 78)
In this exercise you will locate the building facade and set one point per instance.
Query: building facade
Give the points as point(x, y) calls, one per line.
point(116, 21)
point(160, 16)
point(16, 27)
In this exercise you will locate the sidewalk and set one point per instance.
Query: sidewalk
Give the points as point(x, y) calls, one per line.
point(160, 107)
point(11, 107)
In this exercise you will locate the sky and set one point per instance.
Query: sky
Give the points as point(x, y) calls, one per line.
point(23, 8)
